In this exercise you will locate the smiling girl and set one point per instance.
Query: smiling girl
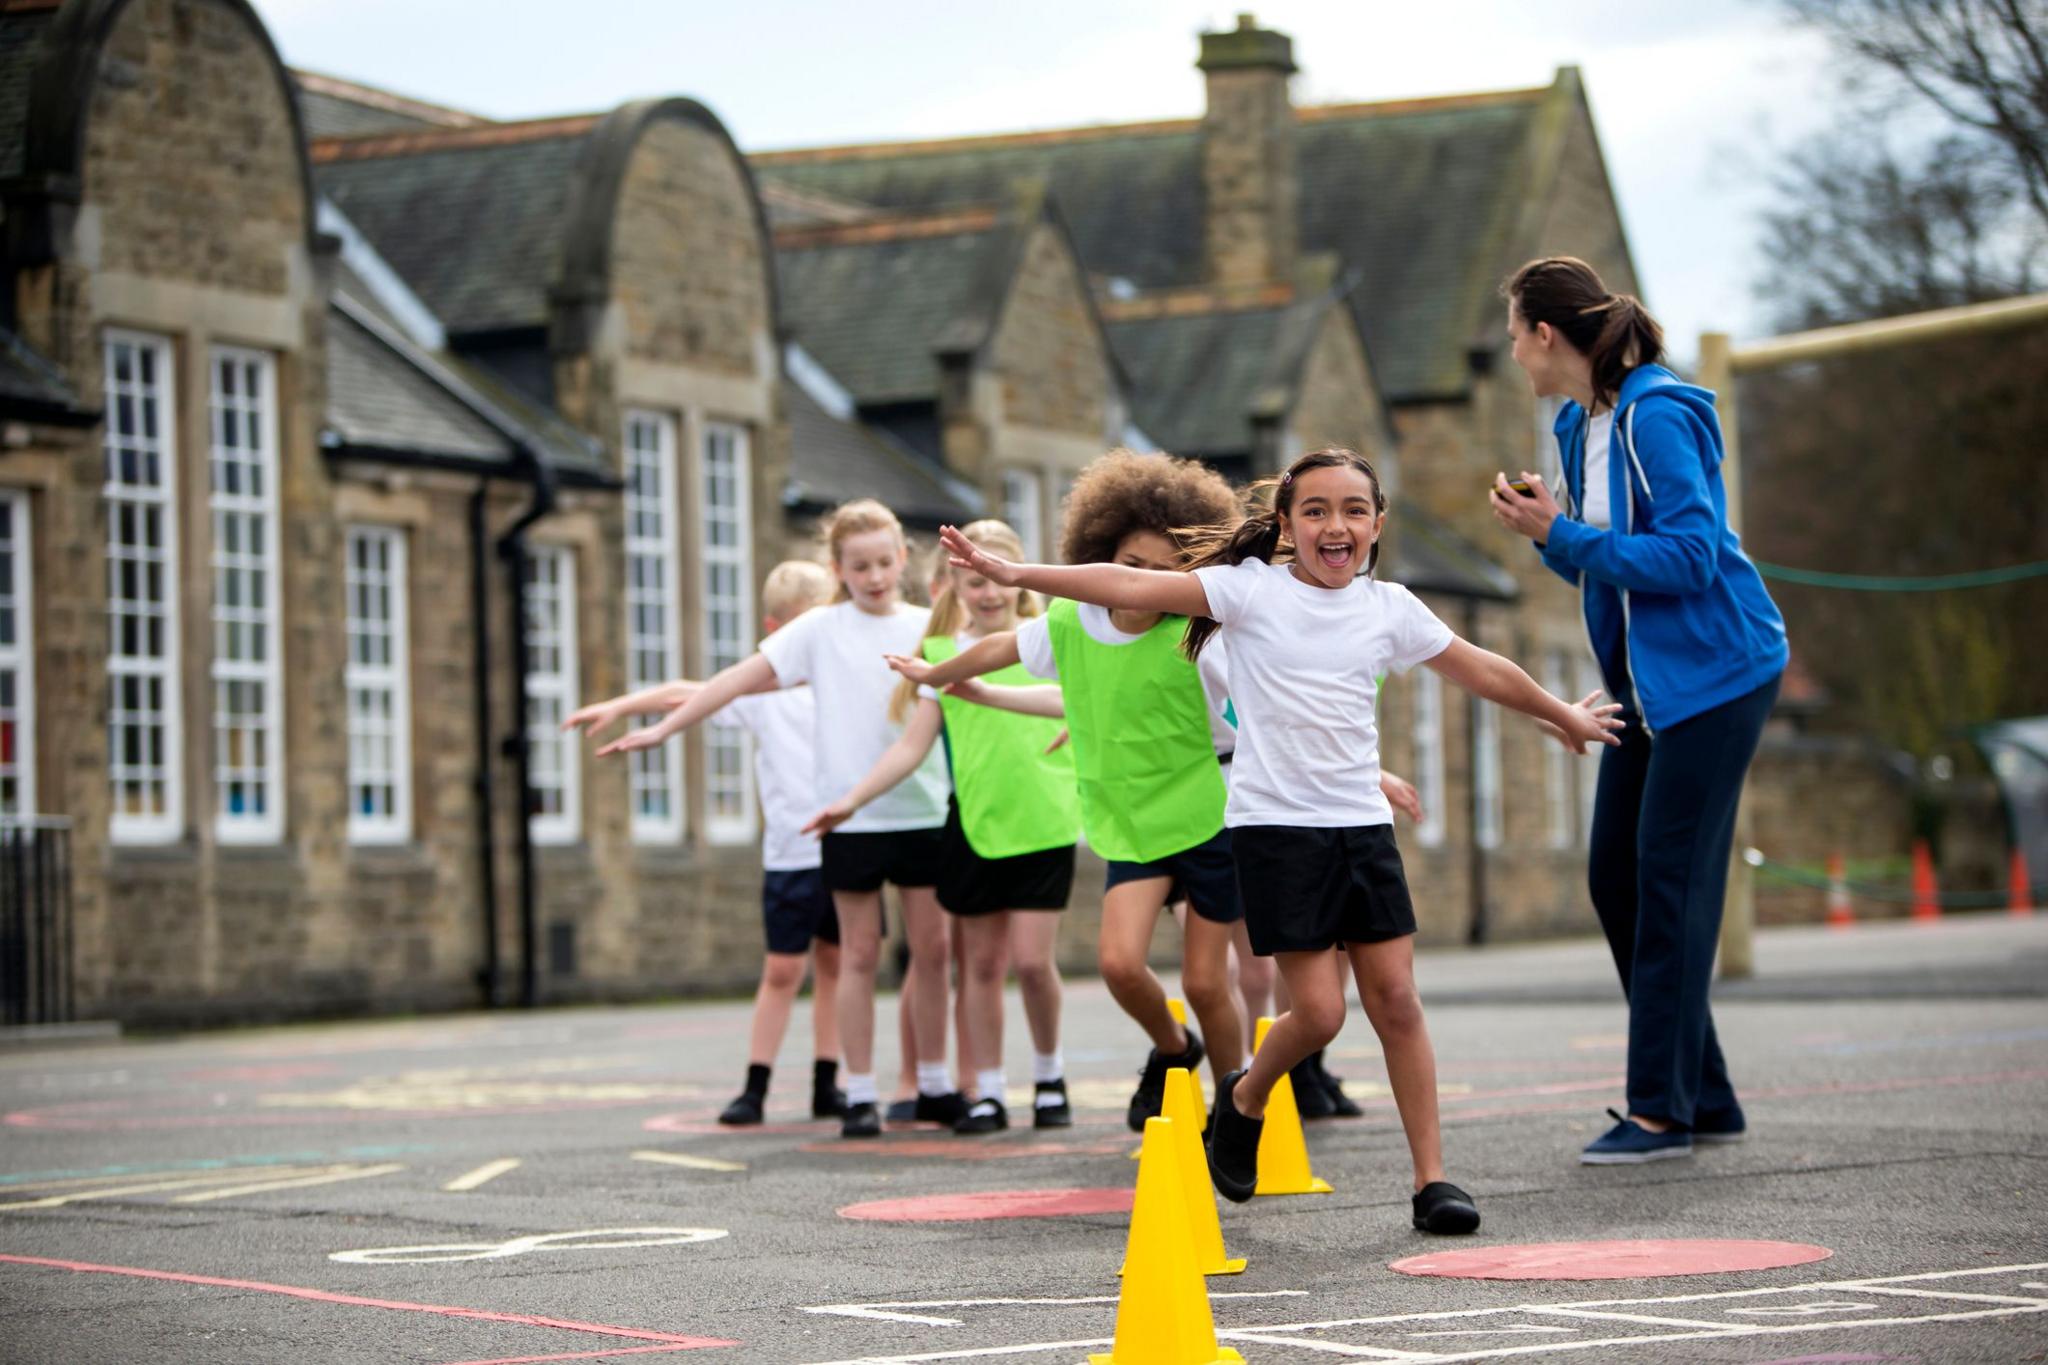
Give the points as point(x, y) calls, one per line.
point(838, 650)
point(1310, 631)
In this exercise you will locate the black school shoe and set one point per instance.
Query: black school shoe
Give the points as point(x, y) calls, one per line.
point(828, 1102)
point(1053, 1113)
point(902, 1111)
point(983, 1116)
point(1311, 1095)
point(1151, 1094)
point(1342, 1106)
point(744, 1111)
point(861, 1120)
point(1233, 1144)
point(948, 1108)
point(1442, 1207)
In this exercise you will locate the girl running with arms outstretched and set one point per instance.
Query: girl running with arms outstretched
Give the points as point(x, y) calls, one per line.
point(1310, 631)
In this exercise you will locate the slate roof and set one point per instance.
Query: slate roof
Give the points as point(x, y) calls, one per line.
point(1426, 555)
point(332, 107)
point(1198, 380)
point(475, 228)
point(1415, 195)
point(834, 459)
point(34, 389)
point(876, 312)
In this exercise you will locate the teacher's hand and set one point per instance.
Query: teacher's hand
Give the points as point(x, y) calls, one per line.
point(1529, 515)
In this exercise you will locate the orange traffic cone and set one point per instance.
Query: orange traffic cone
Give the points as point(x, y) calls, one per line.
point(1840, 914)
point(1926, 896)
point(2021, 900)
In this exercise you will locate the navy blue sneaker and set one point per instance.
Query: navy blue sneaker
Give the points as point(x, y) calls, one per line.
point(1714, 1127)
point(1628, 1143)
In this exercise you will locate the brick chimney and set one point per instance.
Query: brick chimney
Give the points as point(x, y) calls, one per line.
point(1248, 173)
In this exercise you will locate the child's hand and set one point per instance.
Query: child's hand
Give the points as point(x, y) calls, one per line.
point(632, 741)
point(596, 718)
point(963, 553)
point(917, 670)
point(1402, 796)
point(1592, 724)
point(830, 818)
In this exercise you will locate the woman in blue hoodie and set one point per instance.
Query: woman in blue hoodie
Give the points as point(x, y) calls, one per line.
point(1688, 641)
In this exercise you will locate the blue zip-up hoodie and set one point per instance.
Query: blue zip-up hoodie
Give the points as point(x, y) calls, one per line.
point(1672, 604)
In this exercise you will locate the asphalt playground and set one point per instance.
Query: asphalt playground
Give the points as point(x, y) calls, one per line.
point(524, 1187)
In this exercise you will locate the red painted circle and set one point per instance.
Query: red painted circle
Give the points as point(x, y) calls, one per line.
point(961, 1208)
point(1609, 1260)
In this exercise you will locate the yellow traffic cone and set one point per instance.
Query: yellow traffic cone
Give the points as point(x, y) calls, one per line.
point(1162, 1314)
point(1283, 1151)
point(1179, 1009)
point(1205, 1229)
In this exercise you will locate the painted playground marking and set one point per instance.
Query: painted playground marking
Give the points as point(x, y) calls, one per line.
point(489, 1171)
point(598, 1239)
point(1625, 1260)
point(695, 1163)
point(1819, 1306)
point(197, 1187)
point(984, 1204)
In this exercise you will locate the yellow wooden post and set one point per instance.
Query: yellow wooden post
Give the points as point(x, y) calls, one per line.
point(1738, 915)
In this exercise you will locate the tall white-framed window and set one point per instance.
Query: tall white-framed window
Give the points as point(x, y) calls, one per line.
point(554, 761)
point(1486, 794)
point(145, 735)
point(654, 632)
point(1558, 796)
point(728, 558)
point(1589, 771)
point(1024, 509)
point(248, 663)
point(378, 683)
point(1429, 754)
point(17, 661)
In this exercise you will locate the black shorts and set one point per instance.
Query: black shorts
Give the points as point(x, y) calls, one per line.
point(1310, 889)
point(796, 908)
point(862, 862)
point(970, 884)
point(1206, 875)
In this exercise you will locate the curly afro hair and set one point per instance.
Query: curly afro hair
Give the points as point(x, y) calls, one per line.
point(1124, 491)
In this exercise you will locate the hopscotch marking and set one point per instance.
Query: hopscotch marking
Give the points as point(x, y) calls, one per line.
point(200, 1186)
point(597, 1239)
point(490, 1170)
point(695, 1163)
point(1820, 1306)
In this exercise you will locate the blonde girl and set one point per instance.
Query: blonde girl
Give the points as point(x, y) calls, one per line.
point(1010, 832)
point(838, 649)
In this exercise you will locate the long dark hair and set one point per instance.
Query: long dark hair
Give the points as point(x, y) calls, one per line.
point(1614, 331)
point(1258, 535)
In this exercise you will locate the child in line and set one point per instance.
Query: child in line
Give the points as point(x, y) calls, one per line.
point(796, 908)
point(1010, 833)
point(1311, 633)
point(899, 838)
point(1147, 726)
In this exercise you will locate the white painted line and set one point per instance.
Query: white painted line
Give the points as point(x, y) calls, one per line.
point(890, 1312)
point(696, 1163)
point(1948, 1294)
point(1526, 1329)
point(1743, 1330)
point(596, 1239)
point(1251, 1337)
point(1822, 1308)
point(1600, 1315)
point(327, 1178)
point(490, 1170)
point(983, 1352)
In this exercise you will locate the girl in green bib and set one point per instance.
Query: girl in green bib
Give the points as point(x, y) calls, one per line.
point(1148, 726)
point(1008, 856)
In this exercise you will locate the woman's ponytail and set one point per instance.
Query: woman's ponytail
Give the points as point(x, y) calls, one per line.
point(1613, 331)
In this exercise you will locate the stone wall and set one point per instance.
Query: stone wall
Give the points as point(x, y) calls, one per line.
point(1249, 179)
point(1337, 403)
point(1048, 354)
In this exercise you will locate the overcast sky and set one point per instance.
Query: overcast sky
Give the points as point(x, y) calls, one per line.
point(1690, 101)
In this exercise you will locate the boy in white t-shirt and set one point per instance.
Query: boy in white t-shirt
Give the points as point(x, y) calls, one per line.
point(796, 907)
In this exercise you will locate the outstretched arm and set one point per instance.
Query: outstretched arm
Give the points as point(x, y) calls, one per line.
point(1045, 700)
point(751, 674)
point(897, 762)
point(1116, 586)
point(985, 655)
point(1486, 674)
point(600, 716)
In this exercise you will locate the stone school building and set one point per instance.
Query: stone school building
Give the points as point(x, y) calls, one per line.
point(347, 441)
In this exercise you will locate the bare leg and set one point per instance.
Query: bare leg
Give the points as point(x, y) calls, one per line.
point(963, 1056)
point(1255, 978)
point(860, 949)
point(1129, 910)
point(1386, 987)
point(781, 976)
point(1205, 978)
point(825, 1001)
point(1032, 936)
point(1315, 985)
point(985, 941)
point(906, 1039)
point(930, 956)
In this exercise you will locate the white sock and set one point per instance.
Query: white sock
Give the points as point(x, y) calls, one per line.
point(861, 1089)
point(1048, 1066)
point(990, 1083)
point(932, 1079)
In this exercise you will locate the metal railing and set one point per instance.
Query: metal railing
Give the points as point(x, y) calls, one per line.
point(35, 920)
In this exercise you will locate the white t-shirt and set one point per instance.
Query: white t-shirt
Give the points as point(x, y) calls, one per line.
point(1034, 650)
point(838, 650)
point(1304, 669)
point(1597, 505)
point(784, 726)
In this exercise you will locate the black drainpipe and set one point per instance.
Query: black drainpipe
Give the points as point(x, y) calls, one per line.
point(1475, 933)
point(490, 976)
point(512, 548)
